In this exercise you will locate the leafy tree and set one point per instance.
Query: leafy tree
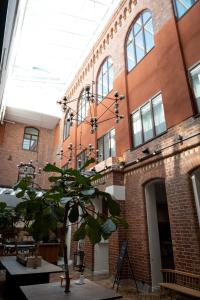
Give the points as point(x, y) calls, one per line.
point(70, 199)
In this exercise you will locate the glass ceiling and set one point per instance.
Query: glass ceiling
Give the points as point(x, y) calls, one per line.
point(55, 38)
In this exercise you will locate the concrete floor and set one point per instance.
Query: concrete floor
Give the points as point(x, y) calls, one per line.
point(126, 288)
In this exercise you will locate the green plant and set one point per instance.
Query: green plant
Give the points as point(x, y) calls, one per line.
point(72, 192)
point(8, 218)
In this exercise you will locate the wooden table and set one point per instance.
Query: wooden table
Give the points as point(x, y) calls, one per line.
point(52, 291)
point(21, 275)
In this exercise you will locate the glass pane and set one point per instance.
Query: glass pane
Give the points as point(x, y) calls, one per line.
point(149, 26)
point(110, 63)
point(31, 131)
point(130, 37)
point(27, 136)
point(26, 144)
point(182, 6)
point(33, 145)
point(106, 146)
point(137, 129)
point(139, 46)
point(148, 40)
point(110, 78)
point(139, 53)
point(105, 67)
point(147, 122)
point(130, 57)
point(195, 74)
point(112, 143)
point(137, 25)
point(100, 94)
point(100, 148)
point(146, 16)
point(159, 116)
point(105, 85)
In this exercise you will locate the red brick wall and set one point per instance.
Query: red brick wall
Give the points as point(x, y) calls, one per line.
point(11, 153)
point(165, 69)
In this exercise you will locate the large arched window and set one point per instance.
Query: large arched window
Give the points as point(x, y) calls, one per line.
point(140, 39)
point(83, 106)
point(30, 140)
point(105, 79)
point(66, 128)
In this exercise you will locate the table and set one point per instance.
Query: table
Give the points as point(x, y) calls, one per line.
point(18, 274)
point(52, 291)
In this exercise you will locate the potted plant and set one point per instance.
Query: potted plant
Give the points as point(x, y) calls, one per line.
point(71, 194)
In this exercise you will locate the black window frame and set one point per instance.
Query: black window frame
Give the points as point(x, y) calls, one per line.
point(101, 75)
point(139, 109)
point(176, 9)
point(131, 30)
point(30, 139)
point(102, 138)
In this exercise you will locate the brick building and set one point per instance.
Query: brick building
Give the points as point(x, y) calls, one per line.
point(24, 138)
point(149, 52)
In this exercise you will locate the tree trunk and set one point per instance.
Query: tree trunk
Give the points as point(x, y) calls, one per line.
point(65, 252)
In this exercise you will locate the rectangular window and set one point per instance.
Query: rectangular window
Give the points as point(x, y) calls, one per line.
point(106, 146)
point(81, 159)
point(182, 6)
point(148, 121)
point(195, 76)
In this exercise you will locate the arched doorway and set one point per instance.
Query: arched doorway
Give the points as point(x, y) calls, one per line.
point(159, 233)
point(195, 176)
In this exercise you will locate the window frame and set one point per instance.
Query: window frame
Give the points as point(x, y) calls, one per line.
point(100, 75)
point(80, 119)
point(82, 153)
point(131, 29)
point(102, 138)
point(195, 105)
point(27, 127)
point(139, 109)
point(66, 127)
point(176, 9)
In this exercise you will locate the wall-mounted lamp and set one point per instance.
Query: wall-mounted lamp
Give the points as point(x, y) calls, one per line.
point(179, 138)
point(146, 151)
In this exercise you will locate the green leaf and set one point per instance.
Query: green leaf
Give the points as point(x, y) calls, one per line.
point(54, 178)
point(20, 194)
point(74, 214)
point(80, 233)
point(93, 234)
point(3, 205)
point(113, 207)
point(23, 183)
point(52, 168)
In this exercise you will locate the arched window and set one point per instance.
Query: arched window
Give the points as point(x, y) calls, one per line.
point(105, 79)
point(83, 106)
point(140, 39)
point(195, 177)
point(30, 140)
point(66, 128)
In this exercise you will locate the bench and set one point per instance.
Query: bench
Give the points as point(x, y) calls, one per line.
point(179, 282)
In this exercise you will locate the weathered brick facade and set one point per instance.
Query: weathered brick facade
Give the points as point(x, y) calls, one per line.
point(164, 69)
